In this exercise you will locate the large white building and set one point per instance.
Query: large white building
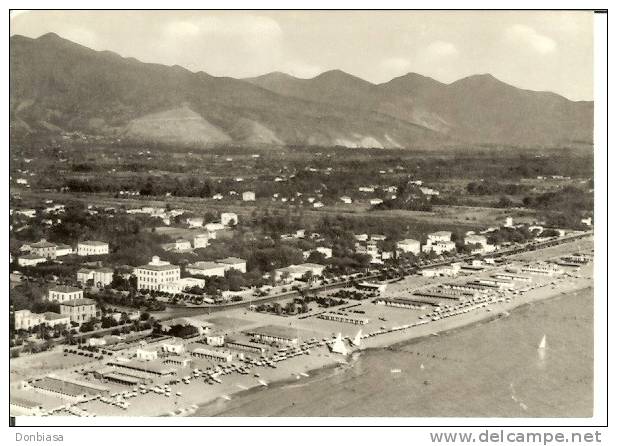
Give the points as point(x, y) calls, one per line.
point(99, 276)
point(274, 333)
point(408, 245)
point(103, 276)
point(92, 248)
point(44, 248)
point(195, 222)
point(25, 319)
point(177, 245)
point(155, 274)
point(213, 227)
point(369, 248)
point(294, 272)
point(206, 269)
point(201, 240)
point(439, 242)
point(248, 196)
point(79, 310)
point(63, 250)
point(474, 239)
point(144, 354)
point(480, 240)
point(439, 247)
point(544, 269)
point(439, 236)
point(327, 252)
point(233, 263)
point(229, 219)
point(30, 260)
point(64, 293)
point(30, 213)
point(428, 191)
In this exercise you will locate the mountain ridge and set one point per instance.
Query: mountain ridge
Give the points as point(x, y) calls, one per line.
point(59, 84)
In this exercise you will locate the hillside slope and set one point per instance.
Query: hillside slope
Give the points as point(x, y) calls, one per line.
point(57, 85)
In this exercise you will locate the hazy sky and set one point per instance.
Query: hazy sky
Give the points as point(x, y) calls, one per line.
point(535, 50)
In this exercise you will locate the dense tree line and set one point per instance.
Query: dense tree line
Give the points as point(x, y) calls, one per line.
point(567, 199)
point(510, 235)
point(495, 188)
point(563, 208)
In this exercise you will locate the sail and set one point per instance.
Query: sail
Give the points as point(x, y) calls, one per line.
point(338, 346)
point(357, 339)
point(542, 342)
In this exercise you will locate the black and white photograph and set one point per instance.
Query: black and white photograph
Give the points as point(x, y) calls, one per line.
point(306, 215)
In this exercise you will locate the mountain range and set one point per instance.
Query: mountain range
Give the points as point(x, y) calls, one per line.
point(57, 86)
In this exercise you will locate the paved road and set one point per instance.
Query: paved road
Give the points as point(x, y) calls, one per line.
point(174, 312)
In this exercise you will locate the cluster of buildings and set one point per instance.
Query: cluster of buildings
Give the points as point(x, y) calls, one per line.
point(446, 293)
point(542, 269)
point(42, 251)
point(439, 242)
point(245, 196)
point(445, 270)
point(100, 276)
point(368, 245)
point(576, 259)
point(74, 310)
point(25, 319)
point(51, 210)
point(200, 240)
point(388, 192)
point(73, 304)
point(479, 288)
point(480, 243)
point(159, 275)
point(227, 219)
point(158, 212)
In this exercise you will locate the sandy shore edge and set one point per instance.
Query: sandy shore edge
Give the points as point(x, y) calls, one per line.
point(410, 336)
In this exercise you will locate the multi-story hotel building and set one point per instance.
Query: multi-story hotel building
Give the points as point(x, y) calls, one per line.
point(155, 274)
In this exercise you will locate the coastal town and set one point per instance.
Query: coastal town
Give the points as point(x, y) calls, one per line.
point(227, 218)
point(93, 354)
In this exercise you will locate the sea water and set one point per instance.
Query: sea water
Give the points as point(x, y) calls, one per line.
point(491, 369)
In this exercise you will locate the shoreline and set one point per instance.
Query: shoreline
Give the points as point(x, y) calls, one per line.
point(197, 398)
point(410, 339)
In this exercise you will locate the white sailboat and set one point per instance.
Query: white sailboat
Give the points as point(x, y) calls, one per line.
point(542, 344)
point(338, 346)
point(357, 339)
point(422, 366)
